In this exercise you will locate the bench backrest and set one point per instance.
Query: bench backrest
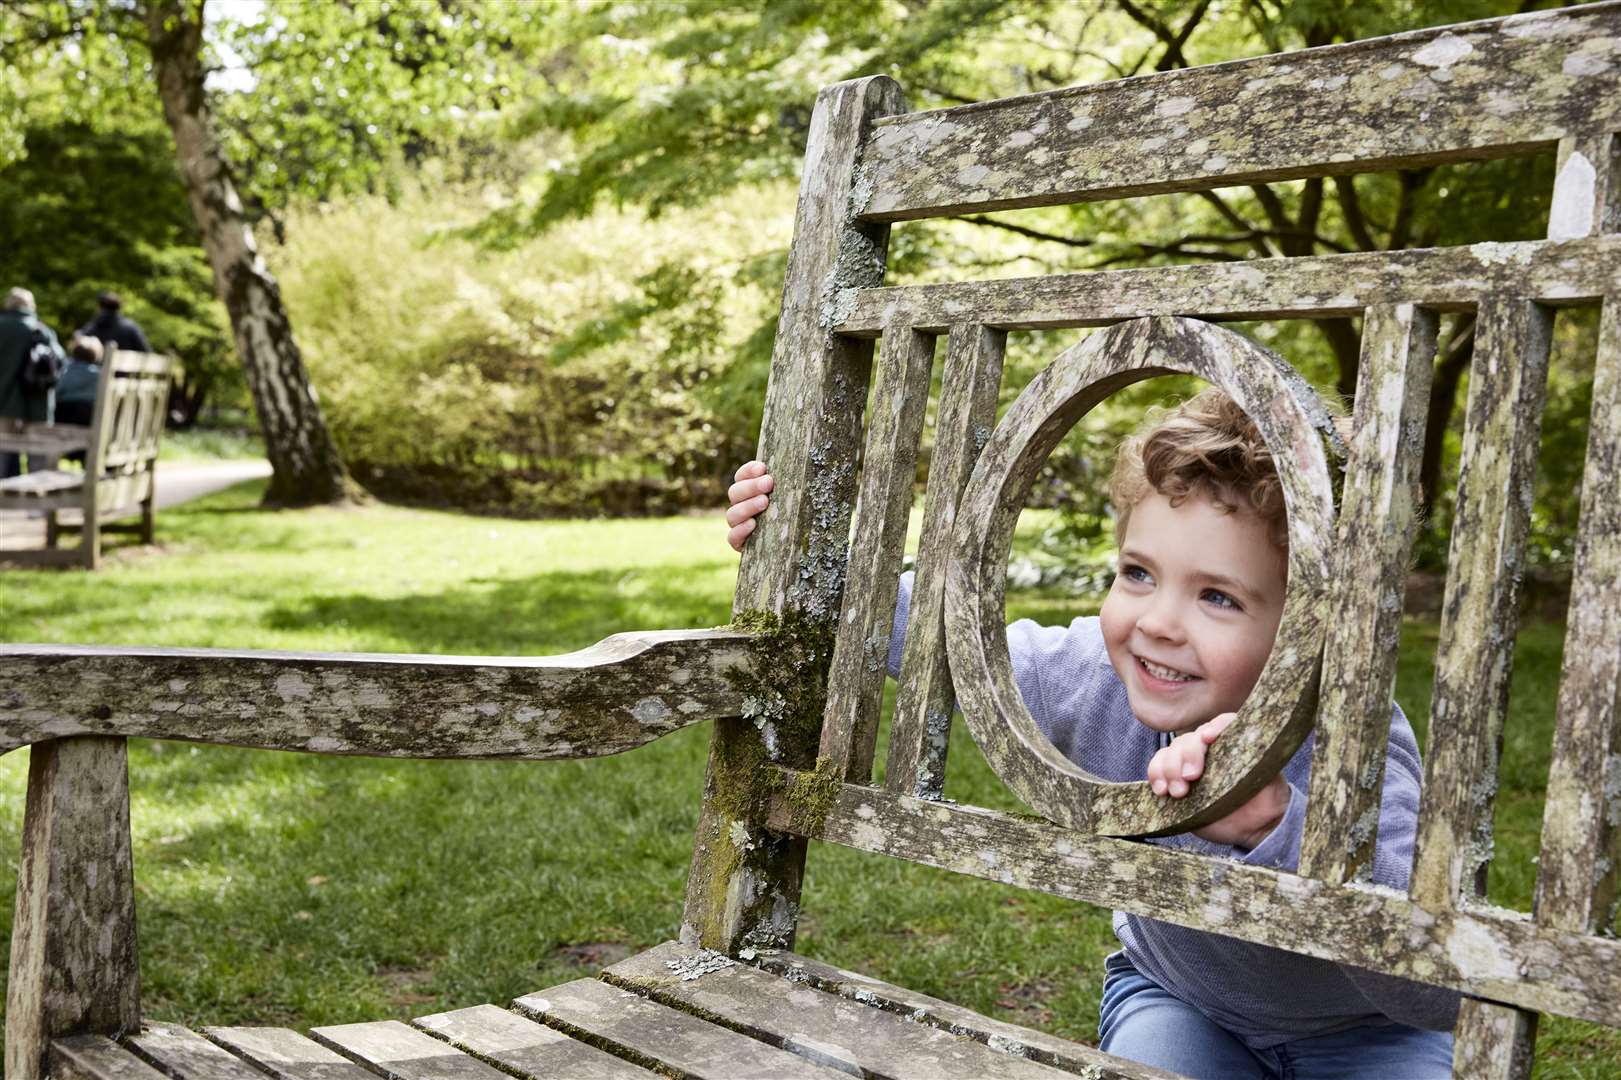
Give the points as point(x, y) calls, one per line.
point(825, 585)
point(132, 397)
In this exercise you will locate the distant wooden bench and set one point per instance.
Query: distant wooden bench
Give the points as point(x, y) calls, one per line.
point(793, 686)
point(120, 448)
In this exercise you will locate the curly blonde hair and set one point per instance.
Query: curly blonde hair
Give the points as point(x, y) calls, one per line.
point(1205, 446)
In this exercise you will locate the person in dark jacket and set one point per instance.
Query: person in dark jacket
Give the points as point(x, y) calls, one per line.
point(112, 327)
point(18, 325)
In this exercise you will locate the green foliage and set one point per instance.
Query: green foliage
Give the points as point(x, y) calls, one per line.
point(565, 377)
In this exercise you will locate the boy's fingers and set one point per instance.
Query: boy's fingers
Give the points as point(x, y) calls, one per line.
point(738, 513)
point(749, 469)
point(740, 533)
point(1215, 726)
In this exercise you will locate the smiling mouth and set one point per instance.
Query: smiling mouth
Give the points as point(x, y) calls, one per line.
point(1163, 673)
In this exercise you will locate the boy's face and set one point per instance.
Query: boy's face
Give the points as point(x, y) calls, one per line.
point(1190, 619)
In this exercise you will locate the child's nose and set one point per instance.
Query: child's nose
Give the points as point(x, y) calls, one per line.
point(1160, 620)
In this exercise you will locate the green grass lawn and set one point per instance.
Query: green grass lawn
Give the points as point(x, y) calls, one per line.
point(302, 890)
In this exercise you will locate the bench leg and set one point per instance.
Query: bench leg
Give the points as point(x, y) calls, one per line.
point(73, 962)
point(53, 531)
point(90, 540)
point(147, 519)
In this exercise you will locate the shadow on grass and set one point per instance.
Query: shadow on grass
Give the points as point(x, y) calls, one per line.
point(551, 612)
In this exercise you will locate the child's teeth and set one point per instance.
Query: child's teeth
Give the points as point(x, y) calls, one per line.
point(1164, 672)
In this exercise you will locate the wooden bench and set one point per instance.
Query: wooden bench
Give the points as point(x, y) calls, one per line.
point(120, 448)
point(793, 686)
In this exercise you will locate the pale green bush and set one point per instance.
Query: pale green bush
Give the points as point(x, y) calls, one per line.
point(566, 375)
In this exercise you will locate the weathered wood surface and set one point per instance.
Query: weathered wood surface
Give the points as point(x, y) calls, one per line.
point(1276, 717)
point(920, 730)
point(1579, 864)
point(1377, 523)
point(1493, 1042)
point(1585, 189)
point(519, 1045)
point(73, 956)
point(1490, 953)
point(842, 1033)
point(745, 888)
point(287, 1054)
point(1475, 654)
point(1327, 286)
point(965, 1023)
point(398, 1051)
point(178, 1052)
point(877, 539)
point(617, 695)
point(1474, 90)
point(663, 1038)
point(95, 1057)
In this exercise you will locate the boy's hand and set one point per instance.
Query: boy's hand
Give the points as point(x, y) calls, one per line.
point(748, 498)
point(1173, 770)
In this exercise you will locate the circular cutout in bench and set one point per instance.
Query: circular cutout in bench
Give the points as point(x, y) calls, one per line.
point(1278, 714)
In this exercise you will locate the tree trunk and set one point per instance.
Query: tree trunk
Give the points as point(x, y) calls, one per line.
point(307, 467)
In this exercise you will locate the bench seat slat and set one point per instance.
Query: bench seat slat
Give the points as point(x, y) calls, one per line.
point(96, 1057)
point(287, 1054)
point(921, 1008)
point(655, 1034)
point(186, 1055)
point(41, 484)
point(401, 1052)
point(841, 1032)
point(520, 1045)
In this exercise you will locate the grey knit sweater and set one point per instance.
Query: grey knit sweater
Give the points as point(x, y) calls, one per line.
point(1262, 995)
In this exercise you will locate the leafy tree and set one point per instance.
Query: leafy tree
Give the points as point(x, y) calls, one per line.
point(336, 87)
point(673, 104)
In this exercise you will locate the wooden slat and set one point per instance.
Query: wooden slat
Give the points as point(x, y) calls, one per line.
point(923, 1009)
point(1585, 192)
point(1485, 952)
point(287, 1054)
point(521, 1046)
point(90, 1057)
point(73, 955)
point(663, 1038)
point(1493, 1042)
point(877, 539)
point(1579, 864)
point(185, 1055)
point(1376, 526)
point(920, 731)
point(398, 1051)
point(1475, 655)
point(839, 1032)
point(1474, 90)
point(1318, 287)
point(742, 888)
point(619, 694)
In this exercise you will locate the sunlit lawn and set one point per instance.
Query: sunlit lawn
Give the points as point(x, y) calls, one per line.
point(302, 890)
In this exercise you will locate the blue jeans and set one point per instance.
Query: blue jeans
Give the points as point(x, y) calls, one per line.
point(1143, 1022)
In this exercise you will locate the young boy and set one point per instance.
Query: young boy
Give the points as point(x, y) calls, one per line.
point(1140, 692)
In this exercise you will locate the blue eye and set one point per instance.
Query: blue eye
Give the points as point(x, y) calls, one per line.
point(1220, 599)
point(1133, 572)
